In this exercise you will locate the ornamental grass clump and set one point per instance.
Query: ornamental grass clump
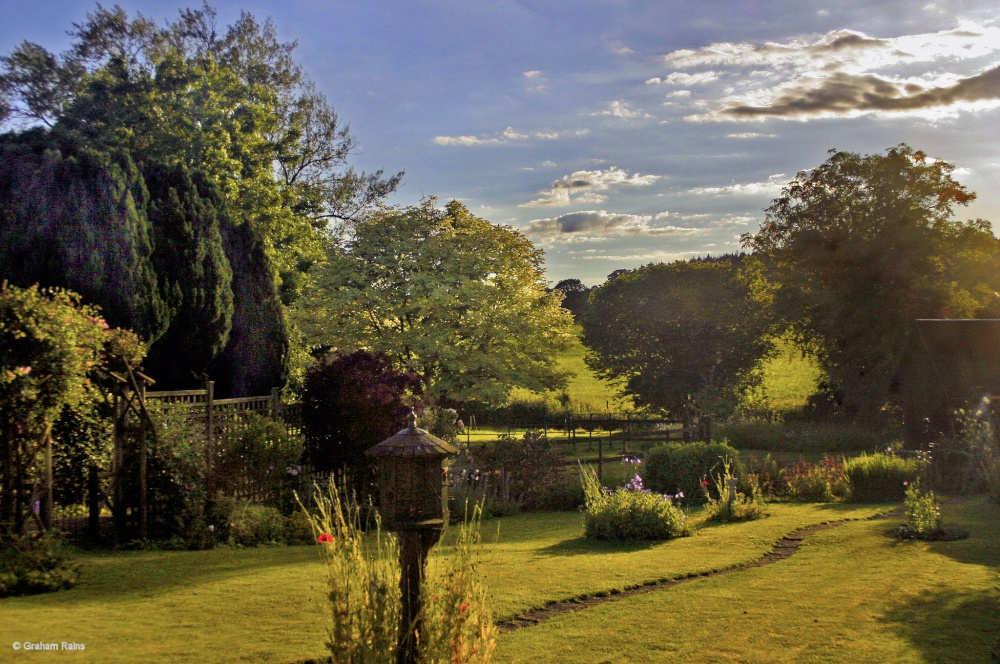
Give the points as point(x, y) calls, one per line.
point(363, 575)
point(629, 513)
point(456, 618)
point(878, 477)
point(743, 507)
point(364, 598)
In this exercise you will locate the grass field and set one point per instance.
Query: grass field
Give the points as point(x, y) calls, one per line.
point(906, 602)
point(789, 379)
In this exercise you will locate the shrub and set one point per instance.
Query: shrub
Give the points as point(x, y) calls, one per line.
point(878, 477)
point(766, 474)
point(821, 482)
point(801, 437)
point(628, 513)
point(681, 467)
point(351, 402)
point(257, 458)
point(744, 507)
point(510, 474)
point(31, 565)
point(923, 513)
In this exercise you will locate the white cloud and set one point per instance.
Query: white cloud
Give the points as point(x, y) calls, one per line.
point(597, 225)
point(682, 78)
point(620, 48)
point(582, 187)
point(508, 135)
point(751, 134)
point(534, 73)
point(620, 109)
point(771, 188)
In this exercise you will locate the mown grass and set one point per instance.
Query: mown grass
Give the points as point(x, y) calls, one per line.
point(587, 392)
point(851, 594)
point(267, 604)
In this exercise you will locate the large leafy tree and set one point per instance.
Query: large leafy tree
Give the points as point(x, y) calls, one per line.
point(231, 102)
point(864, 244)
point(450, 296)
point(684, 336)
point(219, 164)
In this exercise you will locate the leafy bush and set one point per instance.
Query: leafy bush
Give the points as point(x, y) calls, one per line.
point(744, 507)
point(681, 467)
point(31, 565)
point(351, 402)
point(257, 458)
point(628, 513)
point(801, 437)
point(879, 477)
point(510, 475)
point(768, 476)
point(923, 513)
point(821, 482)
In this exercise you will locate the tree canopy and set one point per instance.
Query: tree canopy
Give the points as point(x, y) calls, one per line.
point(450, 296)
point(861, 246)
point(684, 336)
point(183, 177)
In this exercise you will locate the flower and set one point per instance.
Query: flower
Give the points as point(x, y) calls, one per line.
point(464, 607)
point(906, 483)
point(325, 538)
point(704, 482)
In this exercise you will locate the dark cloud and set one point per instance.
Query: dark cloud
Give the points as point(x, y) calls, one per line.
point(598, 223)
point(843, 93)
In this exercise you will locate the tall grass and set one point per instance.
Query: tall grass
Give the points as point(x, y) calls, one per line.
point(363, 594)
point(364, 598)
point(878, 477)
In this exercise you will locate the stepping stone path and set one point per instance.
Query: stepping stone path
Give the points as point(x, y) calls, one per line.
point(784, 548)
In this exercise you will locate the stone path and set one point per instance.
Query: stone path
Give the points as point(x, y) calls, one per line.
point(784, 548)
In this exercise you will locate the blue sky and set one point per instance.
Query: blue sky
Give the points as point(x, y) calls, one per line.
point(616, 133)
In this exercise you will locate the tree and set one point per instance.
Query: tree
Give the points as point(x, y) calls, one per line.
point(862, 246)
point(450, 296)
point(351, 402)
point(231, 102)
point(684, 336)
point(575, 296)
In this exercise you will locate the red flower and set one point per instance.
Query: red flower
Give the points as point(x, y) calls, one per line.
point(325, 538)
point(704, 482)
point(465, 606)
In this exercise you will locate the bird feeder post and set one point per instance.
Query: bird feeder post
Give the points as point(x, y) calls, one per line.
point(413, 496)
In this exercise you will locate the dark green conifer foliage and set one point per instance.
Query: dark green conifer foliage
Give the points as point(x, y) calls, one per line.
point(194, 275)
point(74, 217)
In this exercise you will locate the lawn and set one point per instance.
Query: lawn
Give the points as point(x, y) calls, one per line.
point(266, 604)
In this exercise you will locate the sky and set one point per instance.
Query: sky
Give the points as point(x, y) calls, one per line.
point(616, 133)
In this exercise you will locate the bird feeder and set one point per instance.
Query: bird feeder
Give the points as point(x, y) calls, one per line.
point(413, 497)
point(413, 492)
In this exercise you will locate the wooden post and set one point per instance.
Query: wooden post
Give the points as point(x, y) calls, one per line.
point(600, 458)
point(143, 457)
point(47, 511)
point(414, 545)
point(209, 425)
point(93, 505)
point(275, 403)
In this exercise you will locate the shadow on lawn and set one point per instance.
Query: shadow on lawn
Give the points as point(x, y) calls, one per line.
point(148, 573)
point(949, 626)
point(582, 546)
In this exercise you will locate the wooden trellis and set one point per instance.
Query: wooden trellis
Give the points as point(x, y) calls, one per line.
point(129, 394)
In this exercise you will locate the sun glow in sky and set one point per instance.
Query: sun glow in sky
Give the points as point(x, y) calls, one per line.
point(615, 133)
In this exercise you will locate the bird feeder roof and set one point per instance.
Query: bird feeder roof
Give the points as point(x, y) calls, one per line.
point(412, 442)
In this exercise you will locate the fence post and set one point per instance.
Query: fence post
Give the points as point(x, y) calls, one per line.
point(600, 457)
point(93, 505)
point(275, 402)
point(47, 512)
point(143, 458)
point(209, 425)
